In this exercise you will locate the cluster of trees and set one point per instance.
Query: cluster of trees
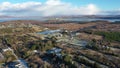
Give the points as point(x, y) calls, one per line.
point(93, 46)
point(6, 30)
point(98, 45)
point(43, 44)
point(68, 61)
point(109, 36)
point(16, 30)
point(116, 22)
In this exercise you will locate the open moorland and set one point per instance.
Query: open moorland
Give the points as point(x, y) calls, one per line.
point(35, 44)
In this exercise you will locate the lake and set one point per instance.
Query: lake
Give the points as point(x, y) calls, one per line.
point(46, 32)
point(90, 19)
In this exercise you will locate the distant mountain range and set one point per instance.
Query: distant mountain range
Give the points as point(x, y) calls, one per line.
point(68, 16)
point(6, 16)
point(88, 16)
point(63, 17)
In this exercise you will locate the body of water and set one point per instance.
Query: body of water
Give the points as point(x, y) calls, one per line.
point(90, 19)
point(12, 19)
point(49, 32)
point(66, 19)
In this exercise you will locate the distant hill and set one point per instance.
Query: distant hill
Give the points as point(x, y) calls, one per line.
point(7, 17)
point(87, 16)
point(22, 21)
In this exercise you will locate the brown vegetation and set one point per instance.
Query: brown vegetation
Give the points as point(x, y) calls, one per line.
point(69, 26)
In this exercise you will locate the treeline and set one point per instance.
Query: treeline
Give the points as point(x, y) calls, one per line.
point(109, 36)
point(116, 22)
point(65, 22)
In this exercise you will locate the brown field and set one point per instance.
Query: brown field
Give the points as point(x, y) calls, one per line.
point(108, 27)
point(90, 36)
point(69, 26)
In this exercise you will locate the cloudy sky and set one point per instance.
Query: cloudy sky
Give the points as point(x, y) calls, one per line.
point(58, 7)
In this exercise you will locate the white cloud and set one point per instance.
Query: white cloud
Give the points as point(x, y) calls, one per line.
point(53, 2)
point(50, 7)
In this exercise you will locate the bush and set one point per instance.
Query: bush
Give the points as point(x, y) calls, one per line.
point(68, 61)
